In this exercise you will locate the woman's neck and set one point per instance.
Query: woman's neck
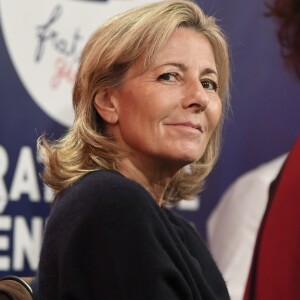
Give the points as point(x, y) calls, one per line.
point(155, 180)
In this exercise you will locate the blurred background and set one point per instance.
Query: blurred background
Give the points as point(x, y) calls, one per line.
point(40, 42)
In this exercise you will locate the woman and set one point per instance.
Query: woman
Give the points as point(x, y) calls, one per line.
point(149, 101)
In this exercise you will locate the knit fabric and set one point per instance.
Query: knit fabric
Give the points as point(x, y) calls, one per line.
point(107, 238)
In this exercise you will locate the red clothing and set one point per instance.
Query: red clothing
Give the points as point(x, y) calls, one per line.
point(275, 270)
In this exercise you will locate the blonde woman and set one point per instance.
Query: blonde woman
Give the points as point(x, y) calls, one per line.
point(149, 100)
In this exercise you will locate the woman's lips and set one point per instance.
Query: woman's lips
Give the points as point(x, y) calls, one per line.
point(188, 126)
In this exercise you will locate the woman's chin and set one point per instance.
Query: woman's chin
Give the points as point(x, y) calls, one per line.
point(191, 156)
point(185, 160)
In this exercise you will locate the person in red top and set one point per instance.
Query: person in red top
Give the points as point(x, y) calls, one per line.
point(275, 269)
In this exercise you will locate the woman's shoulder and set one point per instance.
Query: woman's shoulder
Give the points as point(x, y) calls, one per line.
point(181, 222)
point(104, 190)
point(104, 202)
point(99, 180)
point(189, 233)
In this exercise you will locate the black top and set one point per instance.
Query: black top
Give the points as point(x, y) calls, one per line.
point(107, 238)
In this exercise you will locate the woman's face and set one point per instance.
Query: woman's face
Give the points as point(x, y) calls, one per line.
point(167, 114)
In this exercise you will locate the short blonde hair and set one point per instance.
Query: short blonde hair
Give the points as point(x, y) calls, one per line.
point(107, 56)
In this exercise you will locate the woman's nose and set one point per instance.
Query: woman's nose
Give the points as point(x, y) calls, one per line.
point(196, 96)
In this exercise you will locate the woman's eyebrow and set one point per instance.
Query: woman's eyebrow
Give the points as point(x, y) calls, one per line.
point(178, 65)
point(208, 71)
point(183, 67)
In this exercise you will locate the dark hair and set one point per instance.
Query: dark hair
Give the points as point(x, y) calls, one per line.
point(287, 13)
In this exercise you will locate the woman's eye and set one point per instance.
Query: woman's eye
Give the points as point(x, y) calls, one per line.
point(209, 84)
point(168, 77)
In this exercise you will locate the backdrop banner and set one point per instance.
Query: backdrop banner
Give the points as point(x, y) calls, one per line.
point(40, 44)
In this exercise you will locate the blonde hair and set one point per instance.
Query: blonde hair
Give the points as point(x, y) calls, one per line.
point(107, 56)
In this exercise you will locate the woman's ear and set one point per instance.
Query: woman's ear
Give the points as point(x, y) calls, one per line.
point(105, 106)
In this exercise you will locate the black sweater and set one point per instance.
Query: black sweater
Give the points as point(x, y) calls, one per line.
point(107, 238)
